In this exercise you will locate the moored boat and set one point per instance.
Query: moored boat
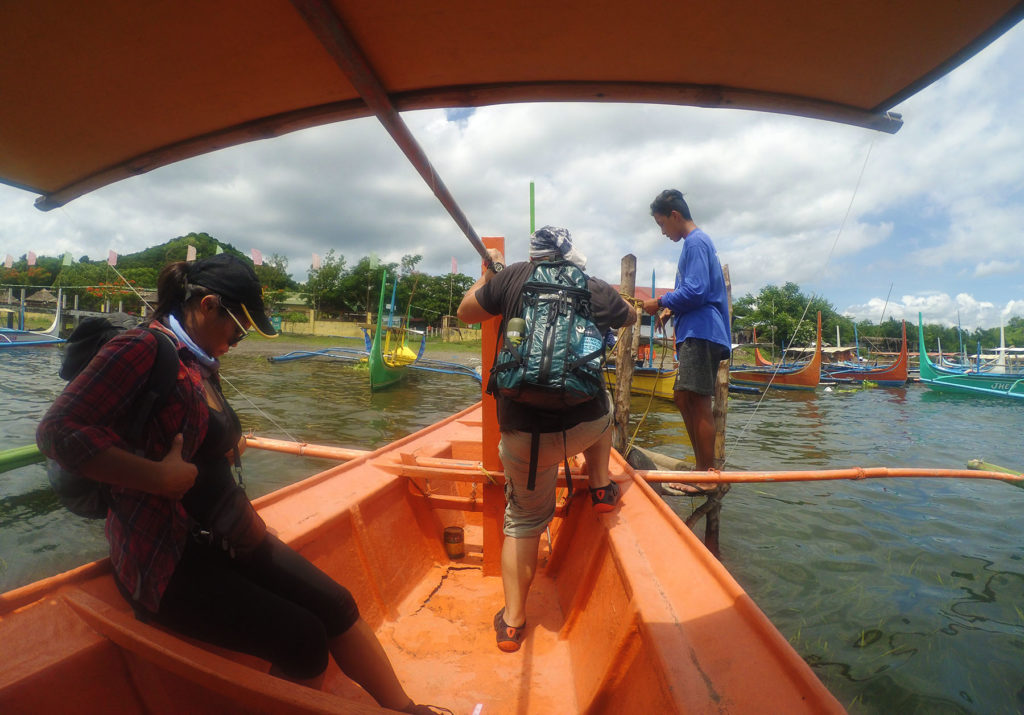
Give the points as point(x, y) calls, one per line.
point(978, 383)
point(17, 338)
point(390, 356)
point(804, 377)
point(892, 375)
point(659, 380)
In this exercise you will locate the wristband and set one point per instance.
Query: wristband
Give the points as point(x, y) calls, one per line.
point(660, 306)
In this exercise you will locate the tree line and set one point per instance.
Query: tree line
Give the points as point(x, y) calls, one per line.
point(339, 288)
point(775, 313)
point(333, 290)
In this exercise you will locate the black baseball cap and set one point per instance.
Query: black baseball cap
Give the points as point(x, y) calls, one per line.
point(235, 281)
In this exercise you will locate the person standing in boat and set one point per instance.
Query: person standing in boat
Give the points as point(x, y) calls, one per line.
point(699, 307)
point(587, 428)
point(187, 549)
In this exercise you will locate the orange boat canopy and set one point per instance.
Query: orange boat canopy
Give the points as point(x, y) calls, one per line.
point(94, 92)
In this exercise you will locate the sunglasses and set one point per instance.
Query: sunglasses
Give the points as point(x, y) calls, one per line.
point(241, 333)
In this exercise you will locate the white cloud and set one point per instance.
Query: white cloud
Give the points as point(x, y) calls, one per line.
point(991, 268)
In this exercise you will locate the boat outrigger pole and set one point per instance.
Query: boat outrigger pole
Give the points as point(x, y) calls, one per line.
point(335, 37)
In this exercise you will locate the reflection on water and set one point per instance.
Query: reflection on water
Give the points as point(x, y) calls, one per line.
point(904, 595)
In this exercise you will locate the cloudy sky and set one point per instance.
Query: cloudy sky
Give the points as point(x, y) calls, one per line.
point(930, 218)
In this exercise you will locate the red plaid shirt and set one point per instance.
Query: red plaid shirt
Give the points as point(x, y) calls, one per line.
point(147, 533)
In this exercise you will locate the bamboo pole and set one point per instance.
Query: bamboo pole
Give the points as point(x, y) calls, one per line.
point(462, 469)
point(304, 449)
point(853, 473)
point(625, 354)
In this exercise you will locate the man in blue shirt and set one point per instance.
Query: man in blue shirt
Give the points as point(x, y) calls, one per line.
point(699, 307)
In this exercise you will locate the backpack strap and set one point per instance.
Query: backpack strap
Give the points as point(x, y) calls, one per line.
point(159, 384)
point(568, 474)
point(531, 480)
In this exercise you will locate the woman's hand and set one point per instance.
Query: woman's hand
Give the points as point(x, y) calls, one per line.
point(176, 475)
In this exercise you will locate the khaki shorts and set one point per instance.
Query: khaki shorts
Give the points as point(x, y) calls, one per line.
point(698, 365)
point(527, 512)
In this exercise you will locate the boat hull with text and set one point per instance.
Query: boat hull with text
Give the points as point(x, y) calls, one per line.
point(994, 384)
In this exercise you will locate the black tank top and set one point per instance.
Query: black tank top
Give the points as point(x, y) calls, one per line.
point(214, 459)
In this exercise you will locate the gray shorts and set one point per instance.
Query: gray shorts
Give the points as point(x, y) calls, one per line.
point(528, 512)
point(698, 365)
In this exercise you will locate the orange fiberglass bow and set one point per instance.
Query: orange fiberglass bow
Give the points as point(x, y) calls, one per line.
point(629, 612)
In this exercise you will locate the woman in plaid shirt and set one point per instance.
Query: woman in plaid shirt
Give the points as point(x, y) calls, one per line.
point(242, 589)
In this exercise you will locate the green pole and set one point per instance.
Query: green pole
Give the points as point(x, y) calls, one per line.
point(19, 457)
point(533, 223)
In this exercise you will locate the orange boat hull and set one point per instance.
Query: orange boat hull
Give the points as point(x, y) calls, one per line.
point(805, 378)
point(629, 611)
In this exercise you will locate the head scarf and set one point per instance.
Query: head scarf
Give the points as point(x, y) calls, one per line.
point(551, 242)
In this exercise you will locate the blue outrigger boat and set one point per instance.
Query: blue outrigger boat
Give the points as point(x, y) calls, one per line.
point(21, 338)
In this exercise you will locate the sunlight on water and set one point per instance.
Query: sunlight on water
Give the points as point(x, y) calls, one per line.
point(904, 595)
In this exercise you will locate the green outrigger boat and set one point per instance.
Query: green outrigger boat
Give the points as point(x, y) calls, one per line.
point(390, 356)
point(983, 383)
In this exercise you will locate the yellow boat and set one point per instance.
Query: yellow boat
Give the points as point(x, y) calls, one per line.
point(645, 380)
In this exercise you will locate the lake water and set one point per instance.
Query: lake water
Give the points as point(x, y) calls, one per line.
point(904, 595)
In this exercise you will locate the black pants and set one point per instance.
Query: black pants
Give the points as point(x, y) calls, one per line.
point(275, 605)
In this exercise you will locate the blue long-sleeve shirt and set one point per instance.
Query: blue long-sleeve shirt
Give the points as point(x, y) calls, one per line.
point(699, 303)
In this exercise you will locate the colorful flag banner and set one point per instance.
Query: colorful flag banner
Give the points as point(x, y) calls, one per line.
point(31, 258)
point(190, 254)
point(111, 258)
point(316, 262)
point(67, 259)
point(9, 261)
point(455, 266)
point(218, 251)
point(257, 257)
point(373, 261)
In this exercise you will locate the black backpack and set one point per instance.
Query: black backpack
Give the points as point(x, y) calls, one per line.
point(81, 495)
point(552, 358)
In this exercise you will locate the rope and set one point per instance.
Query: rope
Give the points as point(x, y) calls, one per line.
point(647, 409)
point(849, 207)
point(637, 305)
point(258, 409)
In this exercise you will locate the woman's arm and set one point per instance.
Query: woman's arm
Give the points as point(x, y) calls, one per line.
point(170, 477)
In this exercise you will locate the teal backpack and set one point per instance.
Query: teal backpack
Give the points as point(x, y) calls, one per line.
point(551, 357)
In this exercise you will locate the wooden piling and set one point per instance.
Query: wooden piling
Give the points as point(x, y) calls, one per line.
point(625, 355)
point(720, 411)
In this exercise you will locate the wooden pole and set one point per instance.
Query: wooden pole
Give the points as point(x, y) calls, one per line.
point(493, 494)
point(625, 354)
point(720, 410)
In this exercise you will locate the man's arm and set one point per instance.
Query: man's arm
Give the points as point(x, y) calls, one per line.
point(695, 285)
point(470, 310)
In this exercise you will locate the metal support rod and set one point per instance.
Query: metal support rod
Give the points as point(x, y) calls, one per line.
point(336, 39)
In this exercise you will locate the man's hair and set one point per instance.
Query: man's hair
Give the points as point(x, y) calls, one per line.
point(668, 201)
